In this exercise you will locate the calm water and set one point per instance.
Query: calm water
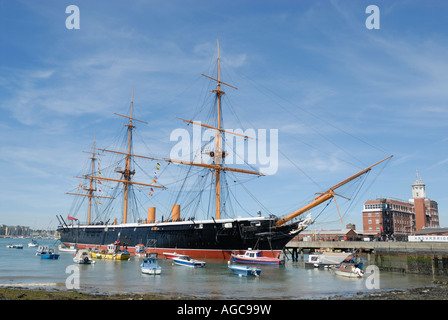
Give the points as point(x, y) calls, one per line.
point(291, 281)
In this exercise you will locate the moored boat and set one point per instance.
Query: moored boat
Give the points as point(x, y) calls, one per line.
point(70, 248)
point(83, 256)
point(325, 259)
point(113, 253)
point(348, 270)
point(33, 243)
point(150, 265)
point(140, 250)
point(172, 255)
point(188, 262)
point(15, 246)
point(351, 267)
point(49, 254)
point(255, 257)
point(245, 270)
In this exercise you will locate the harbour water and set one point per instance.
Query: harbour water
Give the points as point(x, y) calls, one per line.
point(22, 268)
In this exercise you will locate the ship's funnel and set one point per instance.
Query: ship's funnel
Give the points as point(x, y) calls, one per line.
point(151, 214)
point(175, 212)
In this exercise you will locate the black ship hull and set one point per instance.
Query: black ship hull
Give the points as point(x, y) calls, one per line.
point(205, 239)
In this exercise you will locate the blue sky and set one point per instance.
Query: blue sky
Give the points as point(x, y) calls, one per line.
point(342, 96)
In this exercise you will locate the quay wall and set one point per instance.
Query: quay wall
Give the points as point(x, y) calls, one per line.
point(430, 258)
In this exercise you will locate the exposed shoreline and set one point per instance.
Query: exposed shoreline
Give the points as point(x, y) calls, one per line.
point(438, 290)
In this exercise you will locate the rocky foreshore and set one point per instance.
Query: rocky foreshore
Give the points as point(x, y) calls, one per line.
point(438, 290)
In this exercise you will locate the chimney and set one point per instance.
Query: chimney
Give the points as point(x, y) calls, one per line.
point(175, 212)
point(151, 214)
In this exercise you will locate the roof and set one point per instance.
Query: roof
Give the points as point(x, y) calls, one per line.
point(335, 232)
point(431, 231)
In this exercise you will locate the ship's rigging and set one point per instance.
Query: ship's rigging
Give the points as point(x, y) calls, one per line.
point(212, 176)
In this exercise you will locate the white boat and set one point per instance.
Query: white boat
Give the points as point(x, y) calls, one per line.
point(150, 265)
point(140, 250)
point(83, 256)
point(32, 243)
point(351, 267)
point(325, 259)
point(348, 270)
point(244, 270)
point(188, 262)
point(15, 246)
point(255, 257)
point(63, 248)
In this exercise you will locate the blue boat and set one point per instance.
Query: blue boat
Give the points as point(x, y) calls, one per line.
point(245, 270)
point(49, 255)
point(45, 253)
point(188, 262)
point(150, 265)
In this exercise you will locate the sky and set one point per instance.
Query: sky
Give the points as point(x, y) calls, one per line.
point(340, 95)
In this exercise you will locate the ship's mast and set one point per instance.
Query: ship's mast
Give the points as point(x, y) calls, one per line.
point(218, 143)
point(127, 173)
point(218, 153)
point(90, 191)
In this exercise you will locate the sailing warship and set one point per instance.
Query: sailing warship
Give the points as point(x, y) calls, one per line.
point(206, 238)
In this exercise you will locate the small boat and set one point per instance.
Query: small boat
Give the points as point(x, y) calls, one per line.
point(83, 256)
point(15, 246)
point(172, 255)
point(113, 253)
point(351, 267)
point(348, 270)
point(150, 265)
point(33, 243)
point(184, 260)
point(255, 257)
point(63, 248)
point(49, 255)
point(245, 270)
point(325, 259)
point(140, 250)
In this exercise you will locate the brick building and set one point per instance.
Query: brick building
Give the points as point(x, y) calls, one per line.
point(388, 217)
point(347, 234)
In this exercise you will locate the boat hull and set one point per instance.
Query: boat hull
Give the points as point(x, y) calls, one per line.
point(348, 271)
point(50, 256)
point(189, 263)
point(199, 239)
point(152, 270)
point(112, 256)
point(261, 260)
point(245, 271)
